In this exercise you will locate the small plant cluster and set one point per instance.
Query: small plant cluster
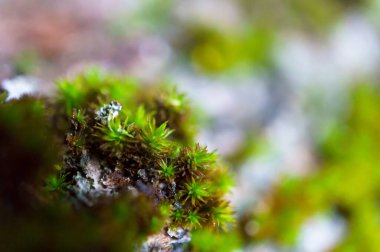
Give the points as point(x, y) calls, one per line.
point(111, 157)
point(121, 138)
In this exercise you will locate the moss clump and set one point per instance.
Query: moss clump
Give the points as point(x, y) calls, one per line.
point(113, 158)
point(125, 140)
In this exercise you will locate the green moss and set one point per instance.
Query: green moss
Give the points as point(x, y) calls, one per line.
point(129, 164)
point(135, 137)
point(167, 170)
point(55, 183)
point(195, 191)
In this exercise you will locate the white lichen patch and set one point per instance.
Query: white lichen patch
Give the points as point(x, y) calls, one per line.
point(95, 183)
point(19, 86)
point(82, 189)
point(171, 239)
point(108, 112)
point(92, 171)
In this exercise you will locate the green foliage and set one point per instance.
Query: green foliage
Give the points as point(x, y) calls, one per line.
point(115, 133)
point(346, 184)
point(178, 216)
point(201, 158)
point(167, 170)
point(222, 215)
point(167, 105)
point(140, 117)
point(175, 100)
point(155, 137)
point(55, 183)
point(80, 116)
point(86, 90)
point(222, 180)
point(195, 191)
point(112, 140)
point(136, 137)
point(194, 219)
point(72, 95)
point(216, 51)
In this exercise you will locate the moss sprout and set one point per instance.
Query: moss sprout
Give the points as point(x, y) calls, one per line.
point(167, 170)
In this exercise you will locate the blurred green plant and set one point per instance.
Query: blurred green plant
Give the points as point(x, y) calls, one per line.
point(347, 182)
point(215, 51)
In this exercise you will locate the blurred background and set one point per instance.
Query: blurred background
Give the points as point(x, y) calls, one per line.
point(287, 91)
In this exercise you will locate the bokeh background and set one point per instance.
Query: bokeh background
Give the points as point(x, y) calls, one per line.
point(287, 91)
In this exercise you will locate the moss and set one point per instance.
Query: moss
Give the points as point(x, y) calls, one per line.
point(129, 166)
point(136, 140)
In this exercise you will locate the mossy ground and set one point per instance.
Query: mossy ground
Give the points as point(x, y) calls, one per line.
point(119, 161)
